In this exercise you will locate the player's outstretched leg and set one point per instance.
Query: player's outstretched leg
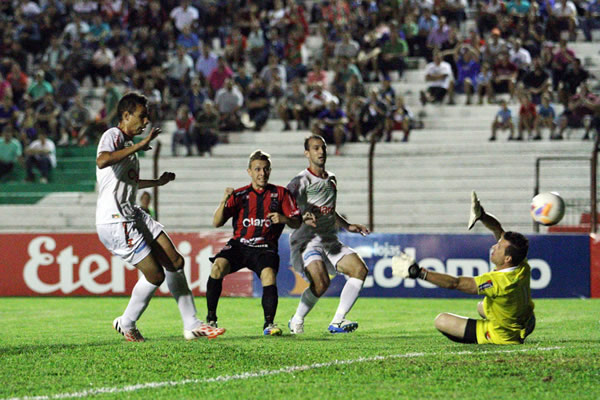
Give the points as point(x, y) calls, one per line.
point(353, 266)
point(173, 262)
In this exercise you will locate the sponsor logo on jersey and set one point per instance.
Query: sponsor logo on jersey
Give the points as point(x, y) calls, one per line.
point(116, 216)
point(486, 285)
point(246, 222)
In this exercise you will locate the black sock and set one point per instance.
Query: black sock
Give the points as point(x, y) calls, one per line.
point(270, 298)
point(213, 292)
point(455, 338)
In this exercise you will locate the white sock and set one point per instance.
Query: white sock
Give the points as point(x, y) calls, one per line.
point(140, 298)
point(180, 290)
point(348, 297)
point(307, 302)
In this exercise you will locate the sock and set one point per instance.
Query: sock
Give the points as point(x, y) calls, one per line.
point(180, 290)
point(307, 302)
point(348, 297)
point(456, 338)
point(270, 299)
point(140, 298)
point(213, 292)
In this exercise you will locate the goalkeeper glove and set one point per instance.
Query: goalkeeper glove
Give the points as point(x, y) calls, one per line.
point(476, 210)
point(405, 266)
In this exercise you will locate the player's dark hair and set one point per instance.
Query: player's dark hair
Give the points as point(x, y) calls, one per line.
point(518, 248)
point(309, 138)
point(129, 103)
point(259, 155)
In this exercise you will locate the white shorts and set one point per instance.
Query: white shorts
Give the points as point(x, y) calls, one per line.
point(330, 251)
point(130, 240)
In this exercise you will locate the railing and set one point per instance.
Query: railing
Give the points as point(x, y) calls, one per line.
point(374, 139)
point(577, 204)
point(155, 175)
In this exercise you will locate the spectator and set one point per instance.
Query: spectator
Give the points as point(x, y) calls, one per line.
point(206, 62)
point(8, 112)
point(101, 65)
point(76, 30)
point(229, 101)
point(317, 75)
point(179, 68)
point(145, 199)
point(468, 68)
point(125, 63)
point(99, 30)
point(494, 46)
point(560, 61)
point(47, 116)
point(520, 57)
point(591, 19)
point(372, 117)
point(78, 61)
point(437, 37)
point(438, 74)
point(504, 76)
point(188, 39)
point(77, 123)
point(545, 119)
point(184, 15)
point(331, 125)
point(205, 128)
point(503, 120)
point(40, 154)
point(10, 150)
point(484, 84)
point(293, 55)
point(242, 79)
point(256, 46)
point(258, 103)
point(67, 89)
point(39, 88)
point(219, 75)
point(183, 123)
point(235, 47)
point(562, 16)
point(574, 76)
point(577, 114)
point(274, 68)
point(5, 88)
point(195, 96)
point(347, 47)
point(18, 82)
point(427, 23)
point(400, 118)
point(316, 101)
point(536, 82)
point(292, 106)
point(393, 52)
point(527, 117)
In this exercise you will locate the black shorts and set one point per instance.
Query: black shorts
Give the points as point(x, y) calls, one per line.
point(242, 256)
point(471, 331)
point(437, 92)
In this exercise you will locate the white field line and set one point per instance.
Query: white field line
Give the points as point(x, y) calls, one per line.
point(260, 374)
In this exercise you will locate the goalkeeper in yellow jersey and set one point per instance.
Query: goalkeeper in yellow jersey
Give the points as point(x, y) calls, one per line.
point(507, 308)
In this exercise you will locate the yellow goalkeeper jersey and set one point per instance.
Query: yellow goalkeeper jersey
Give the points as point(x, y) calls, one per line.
point(507, 304)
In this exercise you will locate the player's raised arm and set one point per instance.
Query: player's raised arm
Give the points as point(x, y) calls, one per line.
point(108, 158)
point(219, 217)
point(405, 266)
point(488, 220)
point(165, 178)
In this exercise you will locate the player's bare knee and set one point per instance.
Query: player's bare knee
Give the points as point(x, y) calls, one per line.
point(156, 278)
point(217, 271)
point(320, 287)
point(441, 322)
point(179, 262)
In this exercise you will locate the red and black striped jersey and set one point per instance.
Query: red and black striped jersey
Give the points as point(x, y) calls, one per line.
point(249, 208)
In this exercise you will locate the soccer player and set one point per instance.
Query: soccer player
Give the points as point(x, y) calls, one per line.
point(129, 232)
point(316, 251)
point(259, 212)
point(507, 308)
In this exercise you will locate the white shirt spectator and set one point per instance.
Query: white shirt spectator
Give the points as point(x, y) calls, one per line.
point(178, 68)
point(568, 11)
point(227, 101)
point(85, 7)
point(315, 99)
point(47, 146)
point(443, 69)
point(75, 33)
point(349, 49)
point(31, 9)
point(184, 16)
point(520, 58)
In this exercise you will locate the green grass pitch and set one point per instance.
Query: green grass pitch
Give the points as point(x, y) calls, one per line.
point(66, 348)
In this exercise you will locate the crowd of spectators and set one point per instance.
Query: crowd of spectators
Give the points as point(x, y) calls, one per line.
point(217, 66)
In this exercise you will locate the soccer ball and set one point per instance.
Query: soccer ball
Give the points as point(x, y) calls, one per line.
point(547, 208)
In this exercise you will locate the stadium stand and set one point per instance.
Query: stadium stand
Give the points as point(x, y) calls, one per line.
point(422, 185)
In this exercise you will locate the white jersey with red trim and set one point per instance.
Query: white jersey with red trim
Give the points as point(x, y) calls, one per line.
point(118, 183)
point(317, 195)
